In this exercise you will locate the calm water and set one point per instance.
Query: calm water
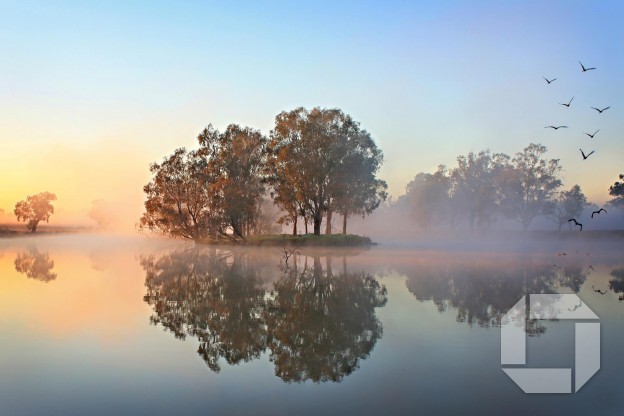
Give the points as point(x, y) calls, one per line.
point(98, 326)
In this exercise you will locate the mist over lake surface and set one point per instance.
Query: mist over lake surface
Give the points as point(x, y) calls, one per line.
point(111, 325)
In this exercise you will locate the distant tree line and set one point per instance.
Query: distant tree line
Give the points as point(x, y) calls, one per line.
point(485, 186)
point(314, 164)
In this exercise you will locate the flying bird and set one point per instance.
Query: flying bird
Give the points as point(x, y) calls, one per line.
point(590, 267)
point(599, 291)
point(600, 111)
point(549, 81)
point(585, 69)
point(585, 156)
point(568, 104)
point(576, 307)
point(576, 223)
point(599, 211)
point(592, 135)
point(556, 127)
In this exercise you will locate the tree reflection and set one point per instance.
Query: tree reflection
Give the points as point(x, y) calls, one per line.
point(617, 283)
point(317, 325)
point(213, 296)
point(482, 293)
point(321, 324)
point(35, 265)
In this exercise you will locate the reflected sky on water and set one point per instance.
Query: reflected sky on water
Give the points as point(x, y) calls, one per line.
point(104, 325)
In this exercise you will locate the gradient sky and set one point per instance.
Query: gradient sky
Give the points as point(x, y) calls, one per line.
point(92, 92)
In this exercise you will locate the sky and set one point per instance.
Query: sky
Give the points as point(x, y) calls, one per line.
point(91, 93)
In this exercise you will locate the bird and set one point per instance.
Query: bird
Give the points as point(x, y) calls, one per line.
point(592, 135)
point(599, 291)
point(563, 253)
point(598, 212)
point(590, 267)
point(576, 306)
point(576, 223)
point(549, 81)
point(599, 110)
point(568, 104)
point(556, 127)
point(585, 69)
point(585, 156)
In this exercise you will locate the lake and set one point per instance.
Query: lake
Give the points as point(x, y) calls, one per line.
point(117, 325)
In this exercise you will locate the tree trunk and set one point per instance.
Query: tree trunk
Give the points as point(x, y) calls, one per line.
point(317, 222)
point(329, 222)
point(295, 226)
point(305, 221)
point(344, 223)
point(33, 225)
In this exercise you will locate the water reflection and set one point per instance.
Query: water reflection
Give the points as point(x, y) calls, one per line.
point(317, 324)
point(321, 324)
point(35, 265)
point(482, 292)
point(616, 284)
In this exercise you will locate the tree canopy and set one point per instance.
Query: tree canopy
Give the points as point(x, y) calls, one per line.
point(320, 162)
point(617, 191)
point(315, 163)
point(34, 209)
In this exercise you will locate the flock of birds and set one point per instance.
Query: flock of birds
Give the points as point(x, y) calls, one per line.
point(585, 156)
point(590, 135)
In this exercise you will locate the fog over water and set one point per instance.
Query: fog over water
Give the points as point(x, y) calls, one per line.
point(168, 326)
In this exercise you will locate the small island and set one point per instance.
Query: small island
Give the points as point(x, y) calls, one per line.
point(301, 240)
point(243, 187)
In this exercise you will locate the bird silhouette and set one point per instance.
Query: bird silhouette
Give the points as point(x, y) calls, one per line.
point(568, 104)
point(599, 291)
point(576, 307)
point(585, 156)
point(585, 69)
point(599, 211)
point(556, 127)
point(590, 267)
point(576, 223)
point(599, 110)
point(592, 135)
point(549, 81)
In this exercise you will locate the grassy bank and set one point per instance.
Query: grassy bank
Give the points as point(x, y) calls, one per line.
point(306, 240)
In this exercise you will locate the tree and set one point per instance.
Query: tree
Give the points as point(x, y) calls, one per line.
point(309, 152)
point(617, 190)
point(357, 189)
point(34, 209)
point(427, 196)
point(528, 184)
point(178, 200)
point(211, 192)
point(101, 213)
point(236, 159)
point(568, 204)
point(473, 187)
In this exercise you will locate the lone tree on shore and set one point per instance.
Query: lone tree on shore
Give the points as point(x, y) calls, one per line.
point(34, 209)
